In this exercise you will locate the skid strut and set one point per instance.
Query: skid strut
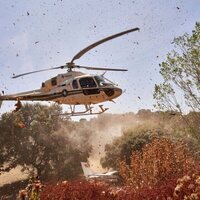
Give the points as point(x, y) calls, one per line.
point(88, 111)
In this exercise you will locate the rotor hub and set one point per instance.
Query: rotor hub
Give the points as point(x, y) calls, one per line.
point(71, 65)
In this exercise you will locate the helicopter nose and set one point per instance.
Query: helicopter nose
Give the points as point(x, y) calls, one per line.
point(113, 92)
point(118, 92)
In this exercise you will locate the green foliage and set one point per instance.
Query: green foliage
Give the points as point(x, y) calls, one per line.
point(36, 139)
point(122, 147)
point(145, 126)
point(181, 74)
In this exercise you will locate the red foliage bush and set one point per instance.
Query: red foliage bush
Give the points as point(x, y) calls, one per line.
point(160, 161)
point(76, 191)
point(187, 188)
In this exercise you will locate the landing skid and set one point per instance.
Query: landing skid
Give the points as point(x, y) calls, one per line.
point(88, 111)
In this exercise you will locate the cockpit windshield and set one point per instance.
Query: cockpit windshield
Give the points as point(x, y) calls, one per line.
point(100, 80)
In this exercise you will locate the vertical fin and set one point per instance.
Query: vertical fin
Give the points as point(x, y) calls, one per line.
point(1, 101)
point(86, 169)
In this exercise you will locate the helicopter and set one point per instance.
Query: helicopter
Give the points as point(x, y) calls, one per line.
point(74, 87)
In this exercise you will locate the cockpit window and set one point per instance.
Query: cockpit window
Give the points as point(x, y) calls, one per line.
point(87, 82)
point(100, 80)
point(74, 84)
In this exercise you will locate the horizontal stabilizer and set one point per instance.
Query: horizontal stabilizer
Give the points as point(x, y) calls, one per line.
point(1, 101)
point(86, 169)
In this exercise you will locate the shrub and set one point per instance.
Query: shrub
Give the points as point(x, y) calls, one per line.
point(158, 162)
point(77, 190)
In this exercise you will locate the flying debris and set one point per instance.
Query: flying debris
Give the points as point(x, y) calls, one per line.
point(74, 87)
point(18, 106)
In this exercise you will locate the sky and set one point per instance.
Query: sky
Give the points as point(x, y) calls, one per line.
point(38, 34)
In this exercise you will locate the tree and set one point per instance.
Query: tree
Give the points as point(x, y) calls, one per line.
point(144, 127)
point(122, 147)
point(36, 139)
point(181, 74)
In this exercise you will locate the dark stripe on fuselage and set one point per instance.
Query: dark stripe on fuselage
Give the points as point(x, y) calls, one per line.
point(72, 92)
point(46, 97)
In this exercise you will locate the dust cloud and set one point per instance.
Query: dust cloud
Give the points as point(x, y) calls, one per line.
point(106, 127)
point(97, 132)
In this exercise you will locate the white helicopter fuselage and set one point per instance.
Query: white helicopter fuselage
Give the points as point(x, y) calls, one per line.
point(73, 88)
point(76, 88)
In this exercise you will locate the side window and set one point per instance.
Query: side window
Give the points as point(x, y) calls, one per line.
point(74, 84)
point(43, 84)
point(87, 82)
point(54, 81)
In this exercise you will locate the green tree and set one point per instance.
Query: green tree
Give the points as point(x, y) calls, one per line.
point(36, 138)
point(150, 125)
point(123, 147)
point(181, 74)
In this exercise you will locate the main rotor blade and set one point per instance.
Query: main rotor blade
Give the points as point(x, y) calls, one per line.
point(42, 70)
point(82, 52)
point(99, 68)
